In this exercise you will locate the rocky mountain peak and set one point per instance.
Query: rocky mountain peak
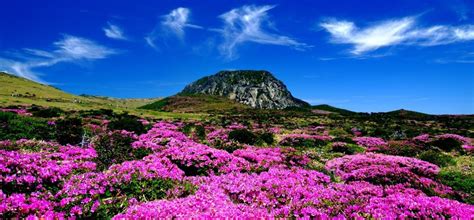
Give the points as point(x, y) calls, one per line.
point(258, 89)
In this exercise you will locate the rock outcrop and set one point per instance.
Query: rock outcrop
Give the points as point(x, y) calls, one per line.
point(258, 89)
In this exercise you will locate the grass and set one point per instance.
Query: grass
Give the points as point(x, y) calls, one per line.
point(194, 104)
point(16, 91)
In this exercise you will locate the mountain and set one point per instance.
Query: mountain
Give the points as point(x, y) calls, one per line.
point(407, 114)
point(257, 89)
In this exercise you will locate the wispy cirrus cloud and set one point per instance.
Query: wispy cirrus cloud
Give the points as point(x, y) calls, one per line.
point(114, 32)
point(400, 31)
point(250, 23)
point(69, 49)
point(172, 24)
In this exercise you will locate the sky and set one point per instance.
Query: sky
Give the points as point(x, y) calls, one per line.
point(368, 56)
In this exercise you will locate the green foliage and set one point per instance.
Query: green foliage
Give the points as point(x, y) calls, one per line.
point(97, 112)
point(115, 148)
point(195, 131)
point(116, 201)
point(127, 122)
point(459, 182)
point(447, 144)
point(46, 112)
point(347, 149)
point(437, 158)
point(267, 137)
point(400, 148)
point(243, 136)
point(158, 105)
point(14, 127)
point(69, 130)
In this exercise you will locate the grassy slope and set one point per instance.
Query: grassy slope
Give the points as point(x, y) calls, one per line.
point(194, 104)
point(332, 109)
point(27, 92)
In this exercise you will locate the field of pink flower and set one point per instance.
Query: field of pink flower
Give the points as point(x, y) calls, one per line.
point(178, 170)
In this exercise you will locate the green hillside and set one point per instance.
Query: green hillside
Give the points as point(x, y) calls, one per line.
point(332, 109)
point(16, 91)
point(194, 104)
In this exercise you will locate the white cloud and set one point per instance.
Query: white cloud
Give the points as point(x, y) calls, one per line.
point(75, 48)
point(114, 32)
point(69, 49)
point(402, 31)
point(174, 24)
point(249, 24)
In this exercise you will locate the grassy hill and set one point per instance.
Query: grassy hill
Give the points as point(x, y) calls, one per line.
point(331, 109)
point(195, 103)
point(15, 91)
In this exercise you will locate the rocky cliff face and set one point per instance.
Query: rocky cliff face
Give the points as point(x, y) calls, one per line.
point(258, 89)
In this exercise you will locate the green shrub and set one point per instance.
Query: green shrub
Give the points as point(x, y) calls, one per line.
point(400, 148)
point(459, 182)
point(50, 112)
point(243, 136)
point(447, 144)
point(197, 131)
point(267, 137)
point(94, 112)
point(437, 158)
point(14, 127)
point(69, 130)
point(142, 190)
point(116, 147)
point(347, 148)
point(128, 123)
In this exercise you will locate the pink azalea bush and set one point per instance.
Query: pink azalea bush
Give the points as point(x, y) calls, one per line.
point(32, 169)
point(265, 158)
point(22, 112)
point(183, 179)
point(199, 159)
point(370, 142)
point(84, 194)
point(383, 169)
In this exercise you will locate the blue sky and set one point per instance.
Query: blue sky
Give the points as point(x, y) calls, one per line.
point(371, 56)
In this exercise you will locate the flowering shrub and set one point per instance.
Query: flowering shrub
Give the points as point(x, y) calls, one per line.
point(28, 172)
point(159, 137)
point(116, 147)
point(199, 159)
point(402, 205)
point(399, 148)
point(370, 143)
point(468, 148)
point(104, 194)
point(178, 177)
point(218, 137)
point(264, 158)
point(208, 203)
point(388, 170)
point(22, 112)
point(422, 139)
point(31, 171)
